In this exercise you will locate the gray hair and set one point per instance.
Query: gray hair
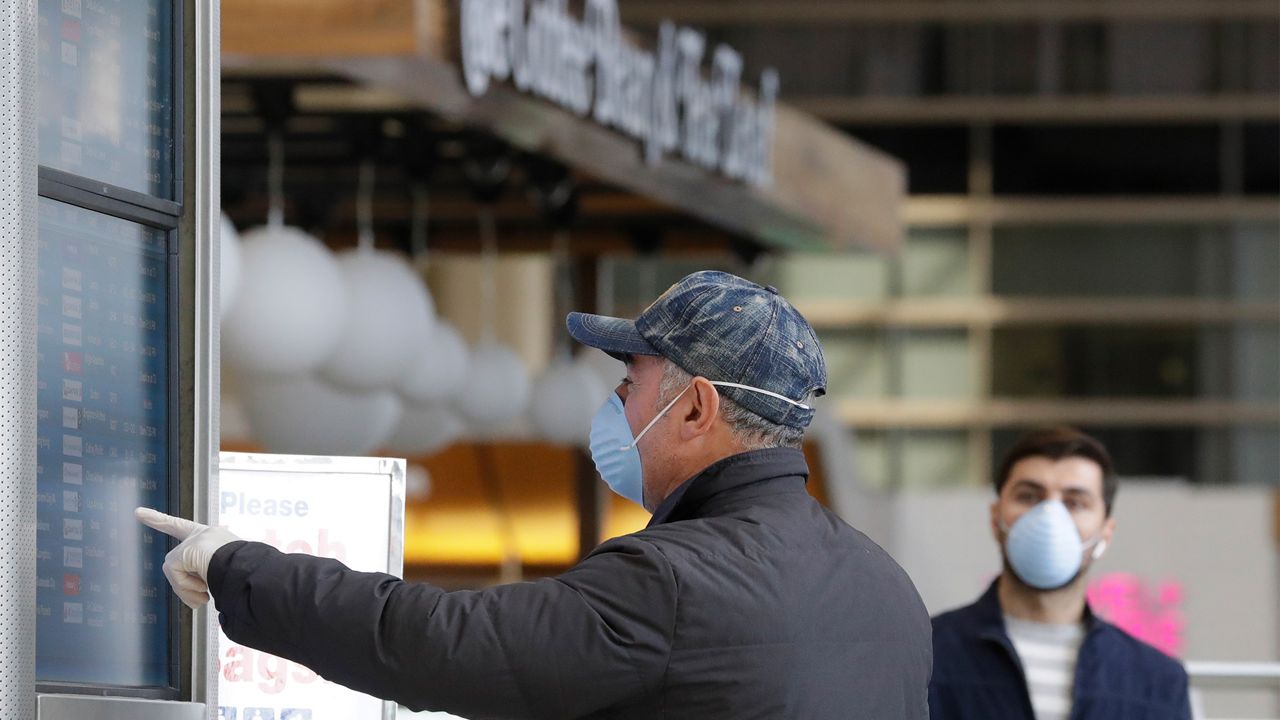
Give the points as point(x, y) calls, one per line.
point(752, 431)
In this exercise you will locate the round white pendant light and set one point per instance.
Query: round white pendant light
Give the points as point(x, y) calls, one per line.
point(565, 399)
point(389, 312)
point(424, 430)
point(497, 386)
point(302, 415)
point(290, 306)
point(439, 367)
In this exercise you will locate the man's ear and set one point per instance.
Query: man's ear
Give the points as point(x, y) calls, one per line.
point(996, 532)
point(1108, 532)
point(704, 409)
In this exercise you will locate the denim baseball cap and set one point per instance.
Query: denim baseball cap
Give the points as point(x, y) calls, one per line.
point(723, 328)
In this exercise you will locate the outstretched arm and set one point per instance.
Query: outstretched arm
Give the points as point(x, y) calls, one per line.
point(556, 648)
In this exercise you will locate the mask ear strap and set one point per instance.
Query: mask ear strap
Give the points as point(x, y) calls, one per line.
point(1099, 549)
point(655, 419)
point(762, 391)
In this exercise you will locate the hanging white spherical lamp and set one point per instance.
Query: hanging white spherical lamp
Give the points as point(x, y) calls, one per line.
point(438, 368)
point(303, 415)
point(290, 306)
point(424, 430)
point(389, 312)
point(564, 400)
point(228, 266)
point(497, 386)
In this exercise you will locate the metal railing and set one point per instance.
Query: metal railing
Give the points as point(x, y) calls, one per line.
point(1215, 675)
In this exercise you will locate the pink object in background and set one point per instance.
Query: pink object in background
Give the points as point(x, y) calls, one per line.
point(1153, 615)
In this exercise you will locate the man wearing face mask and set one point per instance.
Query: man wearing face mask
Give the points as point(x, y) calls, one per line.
point(1030, 648)
point(743, 598)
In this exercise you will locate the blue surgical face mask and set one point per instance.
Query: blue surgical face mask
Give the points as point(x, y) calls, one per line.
point(614, 450)
point(1044, 547)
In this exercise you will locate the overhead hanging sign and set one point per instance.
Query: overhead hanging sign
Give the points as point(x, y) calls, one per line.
point(663, 98)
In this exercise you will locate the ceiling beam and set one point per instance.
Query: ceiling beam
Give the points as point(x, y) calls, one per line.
point(952, 210)
point(1098, 412)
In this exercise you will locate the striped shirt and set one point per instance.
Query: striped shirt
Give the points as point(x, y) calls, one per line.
point(1048, 653)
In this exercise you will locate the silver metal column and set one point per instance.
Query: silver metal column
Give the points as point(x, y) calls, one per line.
point(17, 358)
point(204, 72)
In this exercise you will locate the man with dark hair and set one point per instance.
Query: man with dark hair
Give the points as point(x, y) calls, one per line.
point(1030, 648)
point(743, 598)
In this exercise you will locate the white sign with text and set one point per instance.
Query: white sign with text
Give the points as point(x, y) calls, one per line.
point(349, 509)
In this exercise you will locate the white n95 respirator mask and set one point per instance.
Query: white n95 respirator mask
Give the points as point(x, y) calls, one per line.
point(1044, 547)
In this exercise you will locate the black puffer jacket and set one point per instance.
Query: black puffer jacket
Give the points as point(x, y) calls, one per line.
point(744, 598)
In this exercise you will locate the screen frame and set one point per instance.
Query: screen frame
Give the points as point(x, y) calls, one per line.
point(173, 476)
point(168, 215)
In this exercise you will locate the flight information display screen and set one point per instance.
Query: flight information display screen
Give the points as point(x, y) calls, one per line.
point(106, 91)
point(103, 394)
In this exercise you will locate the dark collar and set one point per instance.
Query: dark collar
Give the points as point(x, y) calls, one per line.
point(986, 616)
point(732, 474)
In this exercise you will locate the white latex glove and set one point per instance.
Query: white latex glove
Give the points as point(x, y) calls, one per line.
point(187, 565)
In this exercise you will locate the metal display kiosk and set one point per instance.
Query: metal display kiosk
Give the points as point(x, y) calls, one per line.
point(108, 347)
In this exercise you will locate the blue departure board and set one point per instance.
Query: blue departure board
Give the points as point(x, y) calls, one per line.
point(103, 449)
point(106, 91)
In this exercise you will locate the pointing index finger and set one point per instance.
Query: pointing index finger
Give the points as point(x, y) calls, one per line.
point(177, 527)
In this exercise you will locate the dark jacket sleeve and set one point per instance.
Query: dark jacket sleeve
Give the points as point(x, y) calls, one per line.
point(555, 648)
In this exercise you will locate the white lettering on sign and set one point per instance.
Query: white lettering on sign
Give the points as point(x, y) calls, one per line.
point(663, 99)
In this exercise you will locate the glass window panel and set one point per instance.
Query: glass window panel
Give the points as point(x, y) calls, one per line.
point(937, 364)
point(1083, 60)
point(923, 458)
point(935, 458)
point(1119, 160)
point(1256, 375)
point(937, 156)
point(1255, 267)
point(822, 276)
point(638, 281)
point(1263, 40)
point(1016, 58)
point(1161, 58)
point(1256, 453)
point(1113, 261)
point(1137, 361)
point(1095, 362)
point(936, 263)
point(857, 364)
point(1171, 452)
point(1262, 158)
point(871, 458)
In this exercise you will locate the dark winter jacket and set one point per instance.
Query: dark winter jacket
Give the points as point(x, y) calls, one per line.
point(977, 673)
point(744, 598)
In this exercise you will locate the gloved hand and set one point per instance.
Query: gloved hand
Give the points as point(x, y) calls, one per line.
point(187, 565)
